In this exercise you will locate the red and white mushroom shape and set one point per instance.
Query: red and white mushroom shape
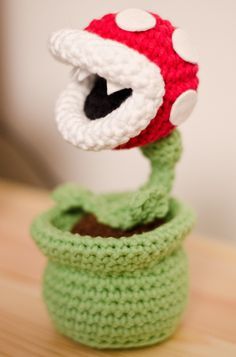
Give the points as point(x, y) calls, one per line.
point(134, 80)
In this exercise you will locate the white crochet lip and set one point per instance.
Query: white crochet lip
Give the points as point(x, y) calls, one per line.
point(122, 67)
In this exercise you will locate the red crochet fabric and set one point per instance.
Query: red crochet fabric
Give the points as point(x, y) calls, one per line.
point(156, 45)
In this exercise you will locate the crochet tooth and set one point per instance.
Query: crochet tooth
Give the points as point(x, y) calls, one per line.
point(83, 74)
point(113, 87)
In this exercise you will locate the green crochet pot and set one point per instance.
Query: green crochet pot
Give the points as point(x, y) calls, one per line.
point(126, 292)
point(115, 293)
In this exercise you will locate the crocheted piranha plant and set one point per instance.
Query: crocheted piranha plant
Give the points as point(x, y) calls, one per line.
point(117, 273)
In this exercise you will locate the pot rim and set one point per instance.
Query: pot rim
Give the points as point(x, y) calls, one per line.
point(109, 255)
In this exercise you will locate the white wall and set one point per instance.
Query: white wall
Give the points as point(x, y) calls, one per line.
point(207, 173)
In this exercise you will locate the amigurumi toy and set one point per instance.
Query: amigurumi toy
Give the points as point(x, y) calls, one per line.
point(117, 274)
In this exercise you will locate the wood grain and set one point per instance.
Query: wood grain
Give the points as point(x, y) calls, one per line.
point(208, 328)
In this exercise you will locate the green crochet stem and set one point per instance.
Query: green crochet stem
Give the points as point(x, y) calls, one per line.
point(163, 155)
point(128, 209)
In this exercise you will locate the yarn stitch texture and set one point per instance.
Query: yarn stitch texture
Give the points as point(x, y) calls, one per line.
point(126, 210)
point(131, 84)
point(117, 293)
point(156, 44)
point(144, 61)
point(117, 63)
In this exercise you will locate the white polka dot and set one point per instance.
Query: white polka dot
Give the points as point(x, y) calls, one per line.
point(183, 107)
point(135, 20)
point(183, 46)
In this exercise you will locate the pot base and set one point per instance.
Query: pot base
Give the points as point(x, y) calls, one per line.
point(134, 309)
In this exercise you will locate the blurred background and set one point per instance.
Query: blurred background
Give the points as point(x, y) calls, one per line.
point(32, 151)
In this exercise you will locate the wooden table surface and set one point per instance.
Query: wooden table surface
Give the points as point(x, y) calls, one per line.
point(208, 328)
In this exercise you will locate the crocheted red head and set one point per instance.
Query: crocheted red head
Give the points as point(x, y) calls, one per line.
point(134, 80)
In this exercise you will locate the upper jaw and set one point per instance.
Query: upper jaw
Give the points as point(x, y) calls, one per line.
point(110, 59)
point(122, 67)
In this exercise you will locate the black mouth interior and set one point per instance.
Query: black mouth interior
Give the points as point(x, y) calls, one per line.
point(98, 104)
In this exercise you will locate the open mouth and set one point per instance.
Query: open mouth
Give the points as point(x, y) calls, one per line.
point(102, 100)
point(113, 94)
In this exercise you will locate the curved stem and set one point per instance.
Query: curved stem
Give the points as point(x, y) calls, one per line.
point(126, 210)
point(163, 156)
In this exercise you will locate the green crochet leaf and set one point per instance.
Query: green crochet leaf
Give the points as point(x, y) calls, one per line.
point(128, 209)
